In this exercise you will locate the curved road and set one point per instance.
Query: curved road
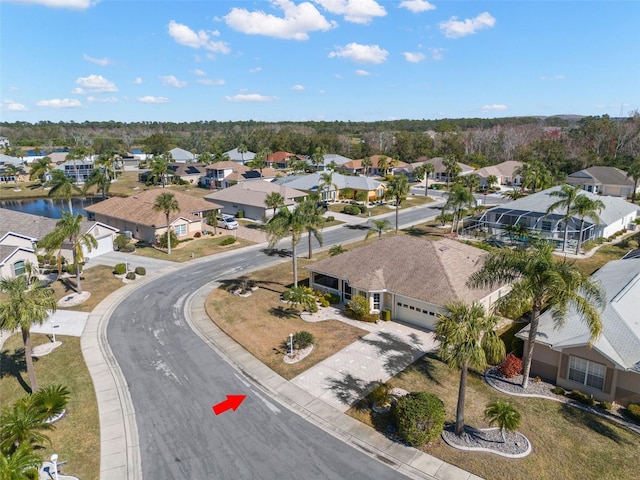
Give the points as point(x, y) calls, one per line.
point(174, 378)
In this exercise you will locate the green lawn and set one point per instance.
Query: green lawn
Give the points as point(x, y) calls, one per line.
point(76, 438)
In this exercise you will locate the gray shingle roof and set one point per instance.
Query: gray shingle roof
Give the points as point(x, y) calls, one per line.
point(310, 182)
point(254, 193)
point(604, 175)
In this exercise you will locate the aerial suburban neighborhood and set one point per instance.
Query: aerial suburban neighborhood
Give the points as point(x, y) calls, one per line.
point(319, 239)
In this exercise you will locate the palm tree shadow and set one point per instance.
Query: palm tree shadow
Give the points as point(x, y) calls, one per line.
point(349, 389)
point(284, 312)
point(426, 366)
point(13, 364)
point(592, 421)
point(277, 252)
point(398, 354)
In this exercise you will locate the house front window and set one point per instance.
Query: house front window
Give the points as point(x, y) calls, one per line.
point(19, 268)
point(376, 301)
point(586, 372)
point(346, 291)
point(180, 230)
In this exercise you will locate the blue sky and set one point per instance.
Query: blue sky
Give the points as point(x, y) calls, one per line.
point(278, 60)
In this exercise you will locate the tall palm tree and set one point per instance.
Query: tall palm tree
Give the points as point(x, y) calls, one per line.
point(504, 415)
point(383, 165)
point(452, 168)
point(398, 189)
point(100, 178)
point(317, 158)
point(327, 184)
point(23, 424)
point(167, 203)
point(313, 220)
point(585, 207)
point(39, 169)
point(367, 164)
point(567, 194)
point(159, 169)
point(491, 181)
point(467, 340)
point(539, 281)
point(472, 182)
point(274, 200)
point(459, 197)
point(68, 229)
point(22, 464)
point(513, 194)
point(381, 226)
point(62, 187)
point(25, 306)
point(422, 173)
point(634, 173)
point(242, 149)
point(259, 162)
point(287, 222)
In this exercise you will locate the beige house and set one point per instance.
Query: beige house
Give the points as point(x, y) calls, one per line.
point(355, 167)
point(15, 252)
point(603, 181)
point(411, 277)
point(504, 173)
point(610, 368)
point(136, 215)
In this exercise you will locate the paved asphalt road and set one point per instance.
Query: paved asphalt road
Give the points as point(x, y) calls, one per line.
point(174, 379)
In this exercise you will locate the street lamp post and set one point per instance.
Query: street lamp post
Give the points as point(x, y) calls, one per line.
point(291, 344)
point(53, 332)
point(54, 460)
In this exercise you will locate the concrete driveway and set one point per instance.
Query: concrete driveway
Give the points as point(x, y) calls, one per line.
point(152, 265)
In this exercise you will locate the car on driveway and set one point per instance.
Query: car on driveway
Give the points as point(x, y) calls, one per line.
point(227, 221)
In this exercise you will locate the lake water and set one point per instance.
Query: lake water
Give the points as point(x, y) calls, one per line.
point(49, 207)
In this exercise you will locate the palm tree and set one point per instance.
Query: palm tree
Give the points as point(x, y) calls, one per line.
point(539, 281)
point(534, 176)
point(22, 464)
point(51, 400)
point(383, 165)
point(274, 200)
point(259, 162)
point(287, 222)
point(634, 172)
point(467, 340)
point(317, 158)
point(13, 171)
point(242, 149)
point(25, 306)
point(367, 164)
point(167, 203)
point(22, 424)
point(568, 195)
point(398, 189)
point(585, 207)
point(452, 168)
point(39, 169)
point(62, 187)
point(459, 197)
point(100, 178)
point(504, 415)
point(300, 296)
point(313, 219)
point(491, 181)
point(336, 250)
point(326, 184)
point(513, 194)
point(68, 229)
point(422, 173)
point(159, 170)
point(472, 182)
point(381, 226)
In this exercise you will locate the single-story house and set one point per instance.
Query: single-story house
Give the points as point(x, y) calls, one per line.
point(180, 155)
point(610, 368)
point(504, 172)
point(530, 212)
point(604, 181)
point(238, 157)
point(189, 172)
point(250, 198)
point(412, 277)
point(440, 171)
point(7, 164)
point(311, 183)
point(329, 159)
point(282, 159)
point(15, 252)
point(355, 166)
point(137, 216)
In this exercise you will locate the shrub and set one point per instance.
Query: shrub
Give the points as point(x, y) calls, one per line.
point(605, 405)
point(558, 390)
point(633, 411)
point(351, 209)
point(580, 397)
point(128, 248)
point(197, 235)
point(333, 298)
point(240, 214)
point(40, 259)
point(131, 276)
point(588, 245)
point(510, 366)
point(162, 239)
point(120, 269)
point(380, 396)
point(141, 271)
point(227, 241)
point(331, 218)
point(419, 417)
point(357, 307)
point(385, 315)
point(303, 339)
point(121, 241)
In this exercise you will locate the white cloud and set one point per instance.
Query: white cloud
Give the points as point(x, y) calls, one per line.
point(103, 62)
point(552, 77)
point(183, 35)
point(354, 11)
point(96, 84)
point(417, 6)
point(255, 70)
point(138, 81)
point(208, 81)
point(102, 100)
point(362, 73)
point(297, 87)
point(361, 53)
point(13, 106)
point(59, 103)
point(494, 108)
point(78, 91)
point(249, 97)
point(454, 28)
point(437, 53)
point(171, 81)
point(198, 72)
point(151, 99)
point(296, 24)
point(414, 57)
point(73, 4)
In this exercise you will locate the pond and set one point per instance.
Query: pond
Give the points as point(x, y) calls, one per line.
point(49, 207)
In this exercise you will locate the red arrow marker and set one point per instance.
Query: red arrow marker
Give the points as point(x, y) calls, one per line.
point(232, 402)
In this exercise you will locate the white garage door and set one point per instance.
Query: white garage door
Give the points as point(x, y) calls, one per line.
point(105, 245)
point(414, 315)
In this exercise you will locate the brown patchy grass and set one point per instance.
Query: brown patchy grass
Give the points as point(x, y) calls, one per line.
point(196, 248)
point(605, 254)
point(76, 438)
point(261, 322)
point(98, 280)
point(567, 443)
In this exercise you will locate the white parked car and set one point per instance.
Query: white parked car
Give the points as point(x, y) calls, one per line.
point(227, 221)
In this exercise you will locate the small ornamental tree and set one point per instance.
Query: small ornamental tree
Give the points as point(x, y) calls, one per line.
point(420, 418)
point(510, 366)
point(358, 307)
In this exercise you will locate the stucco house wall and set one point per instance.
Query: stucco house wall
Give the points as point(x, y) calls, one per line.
point(20, 254)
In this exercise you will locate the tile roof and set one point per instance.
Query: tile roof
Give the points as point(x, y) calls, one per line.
point(438, 165)
point(504, 169)
point(254, 193)
point(139, 208)
point(434, 272)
